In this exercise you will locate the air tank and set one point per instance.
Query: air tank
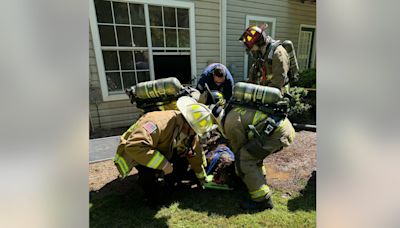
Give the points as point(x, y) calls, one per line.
point(294, 66)
point(158, 88)
point(248, 92)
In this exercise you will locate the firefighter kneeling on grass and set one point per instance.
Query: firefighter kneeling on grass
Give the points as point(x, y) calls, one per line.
point(157, 136)
point(256, 126)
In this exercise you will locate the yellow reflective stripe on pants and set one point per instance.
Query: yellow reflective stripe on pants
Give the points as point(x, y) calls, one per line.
point(156, 160)
point(264, 190)
point(122, 165)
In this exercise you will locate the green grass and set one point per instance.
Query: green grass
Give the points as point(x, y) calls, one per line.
point(198, 208)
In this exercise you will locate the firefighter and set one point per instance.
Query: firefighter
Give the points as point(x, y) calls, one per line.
point(272, 62)
point(217, 78)
point(152, 141)
point(253, 135)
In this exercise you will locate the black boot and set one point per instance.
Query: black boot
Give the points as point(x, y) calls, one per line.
point(251, 205)
point(150, 185)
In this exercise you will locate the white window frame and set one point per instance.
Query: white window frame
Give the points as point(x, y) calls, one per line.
point(256, 18)
point(98, 50)
point(313, 53)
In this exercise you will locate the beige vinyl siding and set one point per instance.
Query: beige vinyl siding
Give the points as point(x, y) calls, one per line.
point(114, 114)
point(207, 22)
point(289, 14)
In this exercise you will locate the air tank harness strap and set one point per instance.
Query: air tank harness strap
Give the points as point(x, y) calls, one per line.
point(269, 126)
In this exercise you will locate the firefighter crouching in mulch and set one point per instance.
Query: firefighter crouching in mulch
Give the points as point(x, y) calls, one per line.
point(256, 126)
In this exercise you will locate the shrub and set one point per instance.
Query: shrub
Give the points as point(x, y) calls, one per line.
point(301, 109)
point(297, 104)
point(303, 103)
point(307, 79)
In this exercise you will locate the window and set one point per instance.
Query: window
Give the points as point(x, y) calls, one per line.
point(256, 20)
point(306, 47)
point(127, 34)
point(171, 30)
point(123, 40)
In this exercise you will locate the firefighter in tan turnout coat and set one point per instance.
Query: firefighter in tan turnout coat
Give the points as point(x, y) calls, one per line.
point(275, 63)
point(152, 141)
point(253, 135)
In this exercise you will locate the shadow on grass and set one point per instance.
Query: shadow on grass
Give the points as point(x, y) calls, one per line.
point(121, 203)
point(307, 200)
point(213, 202)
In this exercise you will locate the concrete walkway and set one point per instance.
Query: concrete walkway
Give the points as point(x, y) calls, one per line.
point(102, 148)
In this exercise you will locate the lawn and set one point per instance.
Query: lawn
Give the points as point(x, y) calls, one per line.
point(120, 204)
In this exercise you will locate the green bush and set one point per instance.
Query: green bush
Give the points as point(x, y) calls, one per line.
point(297, 104)
point(302, 109)
point(307, 79)
point(303, 103)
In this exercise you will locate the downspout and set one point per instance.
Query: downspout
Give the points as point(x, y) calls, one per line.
point(222, 30)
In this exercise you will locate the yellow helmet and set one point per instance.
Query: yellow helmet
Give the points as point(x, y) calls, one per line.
point(198, 115)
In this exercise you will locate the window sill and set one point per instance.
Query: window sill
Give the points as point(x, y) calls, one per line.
point(115, 97)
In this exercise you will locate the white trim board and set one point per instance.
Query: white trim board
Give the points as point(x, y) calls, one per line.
point(256, 18)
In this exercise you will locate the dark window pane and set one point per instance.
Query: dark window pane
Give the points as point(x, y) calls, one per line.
point(170, 37)
point(143, 76)
point(121, 13)
point(169, 17)
point(124, 36)
point(113, 81)
point(107, 35)
point(110, 60)
point(184, 38)
point(139, 37)
point(157, 37)
point(155, 15)
point(129, 79)
point(183, 18)
point(137, 14)
point(103, 11)
point(142, 60)
point(126, 60)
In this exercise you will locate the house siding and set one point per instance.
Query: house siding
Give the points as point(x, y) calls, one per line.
point(207, 19)
point(289, 15)
point(122, 113)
